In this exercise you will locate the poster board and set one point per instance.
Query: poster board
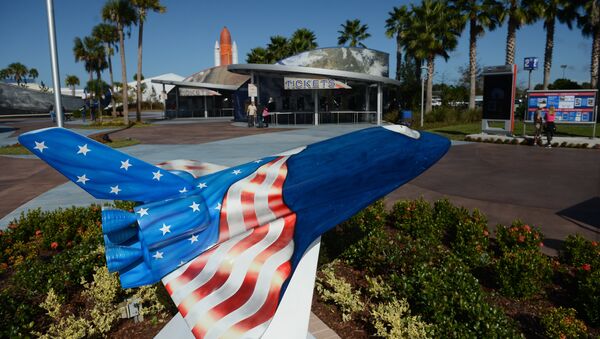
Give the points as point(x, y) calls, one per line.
point(571, 106)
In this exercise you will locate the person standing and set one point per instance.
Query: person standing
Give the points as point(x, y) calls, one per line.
point(269, 108)
point(251, 110)
point(52, 113)
point(538, 122)
point(550, 127)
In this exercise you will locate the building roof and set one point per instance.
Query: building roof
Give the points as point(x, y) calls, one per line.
point(347, 63)
point(312, 71)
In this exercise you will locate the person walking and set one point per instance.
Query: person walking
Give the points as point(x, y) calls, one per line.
point(251, 110)
point(538, 123)
point(550, 127)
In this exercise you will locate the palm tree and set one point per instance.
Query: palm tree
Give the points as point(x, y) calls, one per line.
point(72, 81)
point(354, 32)
point(142, 7)
point(91, 51)
point(550, 10)
point(18, 71)
point(99, 63)
point(121, 13)
point(589, 23)
point(433, 30)
point(278, 49)
point(33, 74)
point(396, 24)
point(81, 50)
point(257, 55)
point(109, 35)
point(482, 15)
point(4, 73)
point(142, 86)
point(81, 54)
point(519, 13)
point(302, 40)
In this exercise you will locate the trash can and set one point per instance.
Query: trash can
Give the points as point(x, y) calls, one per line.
point(405, 118)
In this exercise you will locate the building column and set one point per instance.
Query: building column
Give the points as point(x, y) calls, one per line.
point(205, 108)
point(163, 95)
point(316, 101)
point(252, 82)
point(176, 101)
point(367, 98)
point(379, 103)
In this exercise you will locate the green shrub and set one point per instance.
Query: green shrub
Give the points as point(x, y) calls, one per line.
point(378, 289)
point(561, 323)
point(450, 298)
point(37, 231)
point(522, 272)
point(338, 291)
point(587, 294)
point(518, 237)
point(393, 320)
point(417, 219)
point(577, 251)
point(467, 234)
point(353, 239)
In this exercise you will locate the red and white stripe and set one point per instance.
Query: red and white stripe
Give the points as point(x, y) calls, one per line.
point(233, 290)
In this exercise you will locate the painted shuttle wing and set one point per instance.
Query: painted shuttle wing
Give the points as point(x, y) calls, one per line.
point(226, 244)
point(100, 170)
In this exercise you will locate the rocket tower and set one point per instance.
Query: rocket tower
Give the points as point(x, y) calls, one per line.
point(225, 51)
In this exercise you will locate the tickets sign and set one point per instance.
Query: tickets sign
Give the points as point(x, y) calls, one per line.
point(306, 83)
point(576, 106)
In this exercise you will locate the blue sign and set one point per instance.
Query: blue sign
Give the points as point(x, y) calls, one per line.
point(575, 106)
point(531, 63)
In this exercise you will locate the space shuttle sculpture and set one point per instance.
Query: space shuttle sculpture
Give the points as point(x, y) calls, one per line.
point(225, 245)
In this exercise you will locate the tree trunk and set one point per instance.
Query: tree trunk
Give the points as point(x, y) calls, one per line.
point(123, 75)
point(511, 36)
point(100, 91)
point(418, 64)
point(73, 90)
point(112, 88)
point(548, 51)
point(398, 57)
point(595, 57)
point(472, 62)
point(91, 94)
point(138, 111)
point(430, 66)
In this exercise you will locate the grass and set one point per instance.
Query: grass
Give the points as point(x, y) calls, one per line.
point(459, 131)
point(456, 132)
point(17, 149)
point(564, 130)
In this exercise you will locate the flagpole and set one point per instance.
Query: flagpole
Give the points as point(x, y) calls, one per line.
point(54, 59)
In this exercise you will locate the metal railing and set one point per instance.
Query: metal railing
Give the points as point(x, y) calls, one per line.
point(337, 117)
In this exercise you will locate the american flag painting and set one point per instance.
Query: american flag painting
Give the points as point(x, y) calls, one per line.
point(226, 244)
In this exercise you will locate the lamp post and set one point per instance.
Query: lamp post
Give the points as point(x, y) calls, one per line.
point(563, 68)
point(423, 73)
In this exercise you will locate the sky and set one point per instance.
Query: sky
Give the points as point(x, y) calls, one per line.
point(182, 40)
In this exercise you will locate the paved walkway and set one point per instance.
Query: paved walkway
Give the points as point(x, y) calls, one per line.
point(557, 189)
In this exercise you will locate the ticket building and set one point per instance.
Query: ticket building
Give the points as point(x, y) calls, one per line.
point(326, 85)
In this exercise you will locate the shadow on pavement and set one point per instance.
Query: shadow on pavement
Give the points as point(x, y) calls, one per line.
point(585, 214)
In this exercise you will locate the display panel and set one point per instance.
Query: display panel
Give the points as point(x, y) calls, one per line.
point(570, 106)
point(497, 96)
